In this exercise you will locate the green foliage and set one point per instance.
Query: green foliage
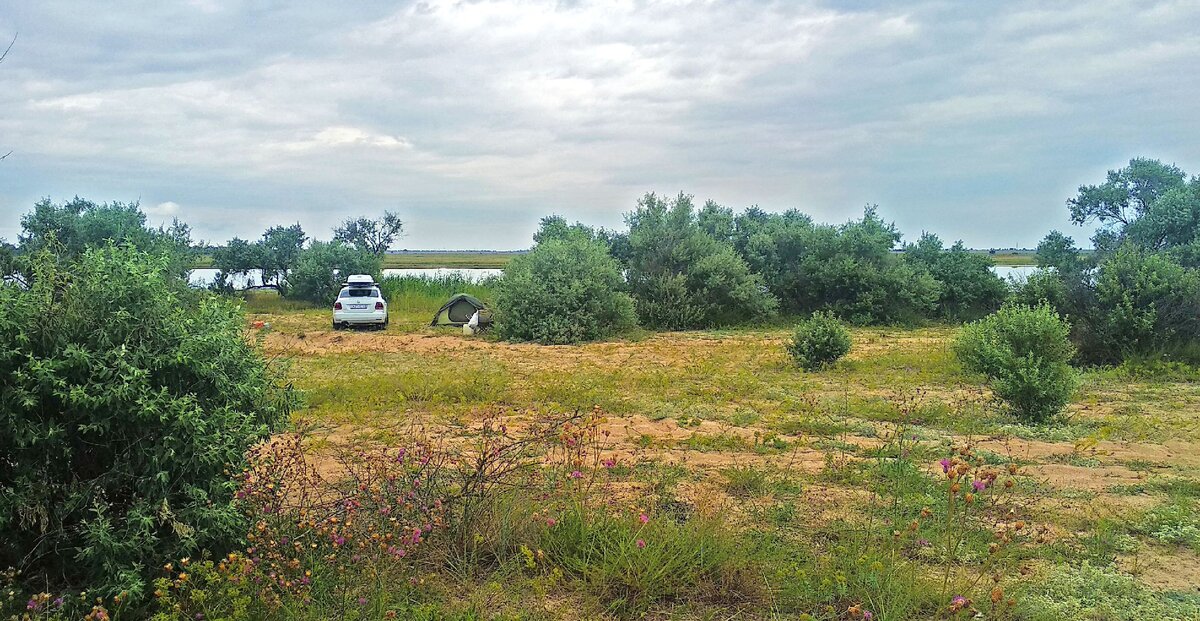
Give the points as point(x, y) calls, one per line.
point(1176, 522)
point(1088, 592)
point(566, 290)
point(819, 341)
point(321, 269)
point(126, 400)
point(1024, 352)
point(273, 255)
point(849, 270)
point(1044, 286)
point(278, 251)
point(70, 228)
point(1058, 251)
point(632, 563)
point(1148, 204)
point(682, 278)
point(1145, 303)
point(373, 236)
point(969, 288)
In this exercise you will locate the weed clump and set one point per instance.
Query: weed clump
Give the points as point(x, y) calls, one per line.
point(819, 341)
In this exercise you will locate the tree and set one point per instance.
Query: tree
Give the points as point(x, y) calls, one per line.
point(683, 278)
point(323, 267)
point(70, 228)
point(374, 236)
point(127, 400)
point(1126, 196)
point(277, 252)
point(567, 289)
point(1059, 252)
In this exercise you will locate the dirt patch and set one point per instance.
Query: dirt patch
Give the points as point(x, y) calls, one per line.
point(1173, 570)
point(1064, 476)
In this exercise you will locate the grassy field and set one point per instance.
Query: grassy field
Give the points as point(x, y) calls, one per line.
point(1013, 259)
point(822, 491)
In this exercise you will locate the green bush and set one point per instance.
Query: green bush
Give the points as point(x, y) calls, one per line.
point(566, 290)
point(1145, 303)
point(683, 278)
point(969, 289)
point(322, 268)
point(849, 270)
point(126, 402)
point(819, 341)
point(1024, 351)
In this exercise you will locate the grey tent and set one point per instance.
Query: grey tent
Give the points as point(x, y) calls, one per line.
point(458, 311)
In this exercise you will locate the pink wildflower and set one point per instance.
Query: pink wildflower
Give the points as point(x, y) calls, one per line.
point(641, 544)
point(644, 518)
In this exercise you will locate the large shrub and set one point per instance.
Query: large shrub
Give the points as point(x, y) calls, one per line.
point(1024, 351)
point(819, 341)
point(850, 270)
point(1145, 304)
point(127, 402)
point(322, 268)
point(968, 288)
point(681, 277)
point(566, 290)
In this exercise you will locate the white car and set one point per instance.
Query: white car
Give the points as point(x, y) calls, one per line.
point(360, 303)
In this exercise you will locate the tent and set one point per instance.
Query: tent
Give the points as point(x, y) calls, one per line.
point(458, 310)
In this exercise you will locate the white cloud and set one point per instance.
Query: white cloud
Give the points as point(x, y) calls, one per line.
point(510, 109)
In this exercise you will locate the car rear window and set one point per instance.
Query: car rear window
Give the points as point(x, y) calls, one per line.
point(359, 292)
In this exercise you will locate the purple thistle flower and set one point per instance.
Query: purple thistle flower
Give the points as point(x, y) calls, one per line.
point(576, 474)
point(979, 485)
point(945, 465)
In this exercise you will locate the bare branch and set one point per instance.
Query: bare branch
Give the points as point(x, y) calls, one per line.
point(5, 54)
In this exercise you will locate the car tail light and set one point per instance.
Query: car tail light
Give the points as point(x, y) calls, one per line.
point(337, 306)
point(379, 306)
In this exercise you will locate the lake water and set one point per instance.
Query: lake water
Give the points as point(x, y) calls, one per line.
point(204, 277)
point(1015, 272)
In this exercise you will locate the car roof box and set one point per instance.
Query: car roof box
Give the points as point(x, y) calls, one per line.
point(360, 280)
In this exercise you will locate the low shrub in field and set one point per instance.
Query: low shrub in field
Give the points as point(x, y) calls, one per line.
point(344, 544)
point(819, 341)
point(1174, 522)
point(1088, 592)
point(1025, 353)
point(125, 401)
point(566, 290)
point(632, 561)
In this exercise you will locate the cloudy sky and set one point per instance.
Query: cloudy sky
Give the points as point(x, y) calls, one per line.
point(975, 120)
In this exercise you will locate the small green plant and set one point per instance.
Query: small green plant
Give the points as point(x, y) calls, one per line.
point(819, 341)
point(1024, 352)
point(745, 480)
point(1176, 522)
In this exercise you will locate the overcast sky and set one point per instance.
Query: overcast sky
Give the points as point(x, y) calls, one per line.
point(472, 119)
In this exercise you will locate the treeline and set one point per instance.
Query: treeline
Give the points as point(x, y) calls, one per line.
point(687, 268)
point(678, 267)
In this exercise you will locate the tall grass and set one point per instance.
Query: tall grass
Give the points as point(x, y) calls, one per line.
point(414, 299)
